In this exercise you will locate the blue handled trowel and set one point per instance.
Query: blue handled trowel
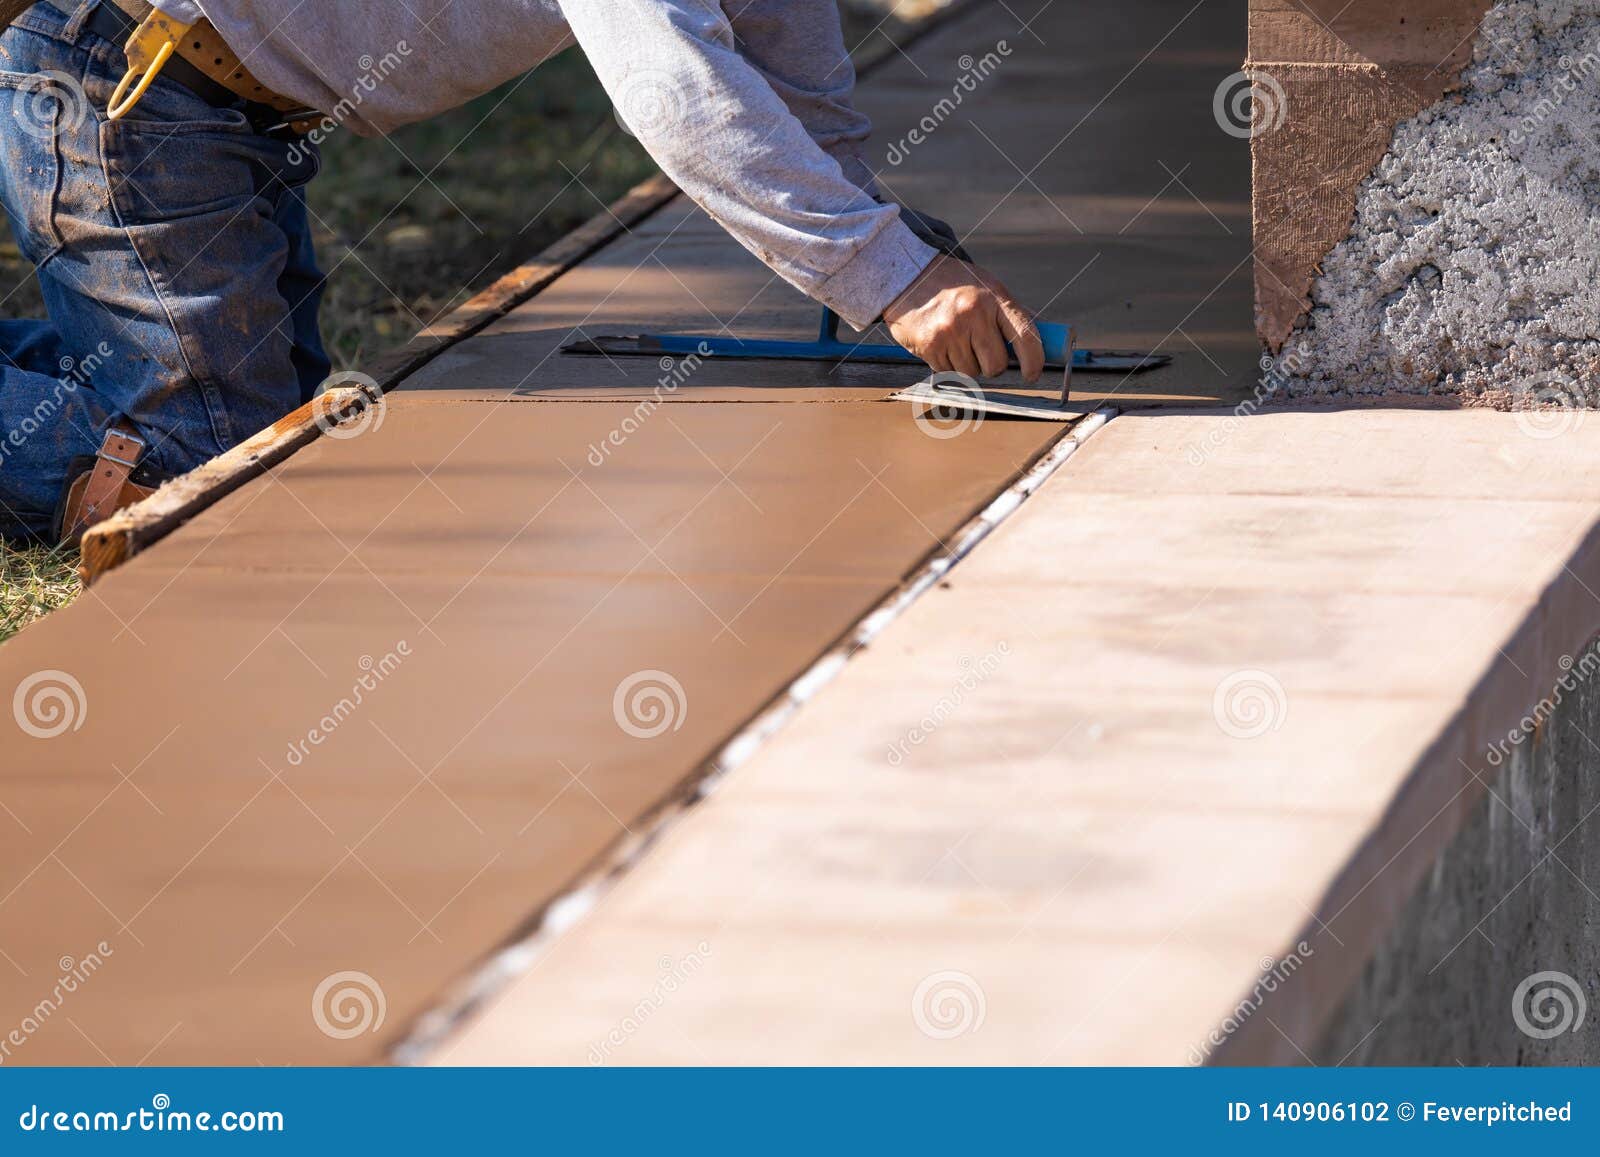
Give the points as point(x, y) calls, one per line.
point(1060, 353)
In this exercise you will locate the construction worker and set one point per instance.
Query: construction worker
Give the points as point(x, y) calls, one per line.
point(154, 173)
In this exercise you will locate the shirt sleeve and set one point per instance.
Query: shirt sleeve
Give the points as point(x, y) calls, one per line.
point(718, 128)
point(187, 11)
point(798, 47)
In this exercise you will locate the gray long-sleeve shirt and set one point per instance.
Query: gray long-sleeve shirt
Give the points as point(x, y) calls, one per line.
point(746, 105)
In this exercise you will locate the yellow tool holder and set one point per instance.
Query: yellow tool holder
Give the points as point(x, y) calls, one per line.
point(149, 49)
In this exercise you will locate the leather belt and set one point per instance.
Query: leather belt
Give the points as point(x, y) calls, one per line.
point(107, 487)
point(205, 64)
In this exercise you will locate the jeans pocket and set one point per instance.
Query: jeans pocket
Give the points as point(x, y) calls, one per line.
point(161, 170)
point(196, 199)
point(36, 109)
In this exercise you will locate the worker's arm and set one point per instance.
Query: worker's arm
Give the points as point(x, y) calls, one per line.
point(798, 48)
point(719, 130)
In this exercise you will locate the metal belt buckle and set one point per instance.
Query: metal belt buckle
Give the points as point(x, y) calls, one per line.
point(149, 49)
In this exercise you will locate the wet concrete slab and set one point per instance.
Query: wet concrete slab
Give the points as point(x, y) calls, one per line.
point(472, 491)
point(364, 714)
point(344, 734)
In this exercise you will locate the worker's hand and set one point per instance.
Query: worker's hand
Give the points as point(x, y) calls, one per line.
point(955, 316)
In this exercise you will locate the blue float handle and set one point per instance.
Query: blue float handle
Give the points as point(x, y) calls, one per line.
point(1057, 341)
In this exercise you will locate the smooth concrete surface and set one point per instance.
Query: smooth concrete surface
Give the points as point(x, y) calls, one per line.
point(1150, 779)
point(327, 747)
point(367, 714)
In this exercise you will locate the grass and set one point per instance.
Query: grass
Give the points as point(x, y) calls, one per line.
point(33, 583)
point(411, 226)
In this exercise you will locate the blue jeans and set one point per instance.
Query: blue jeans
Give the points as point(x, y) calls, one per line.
point(174, 253)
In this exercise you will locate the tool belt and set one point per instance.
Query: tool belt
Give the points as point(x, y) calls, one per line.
point(97, 488)
point(201, 61)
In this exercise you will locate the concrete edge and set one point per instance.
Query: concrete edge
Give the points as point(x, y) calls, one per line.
point(517, 956)
point(1429, 809)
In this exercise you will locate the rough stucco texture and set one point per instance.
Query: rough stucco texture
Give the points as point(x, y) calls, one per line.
point(1472, 267)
